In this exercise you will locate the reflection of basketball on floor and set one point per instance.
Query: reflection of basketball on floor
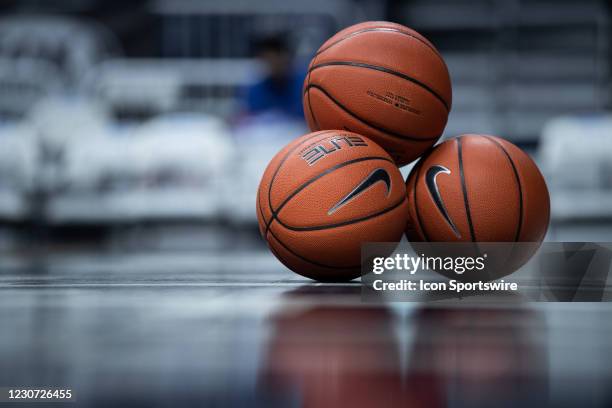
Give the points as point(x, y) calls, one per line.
point(337, 356)
point(325, 194)
point(382, 80)
point(484, 355)
point(478, 188)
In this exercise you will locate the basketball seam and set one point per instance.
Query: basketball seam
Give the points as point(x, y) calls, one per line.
point(298, 255)
point(387, 71)
point(281, 164)
point(314, 118)
point(382, 29)
point(278, 169)
point(344, 223)
point(315, 178)
point(263, 218)
point(265, 222)
point(380, 129)
point(518, 182)
point(308, 260)
point(464, 189)
point(416, 206)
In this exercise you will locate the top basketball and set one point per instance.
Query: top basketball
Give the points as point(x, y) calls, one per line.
point(384, 81)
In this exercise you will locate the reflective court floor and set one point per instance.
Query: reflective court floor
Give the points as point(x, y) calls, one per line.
point(237, 329)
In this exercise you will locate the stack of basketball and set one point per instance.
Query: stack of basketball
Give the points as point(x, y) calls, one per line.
point(377, 96)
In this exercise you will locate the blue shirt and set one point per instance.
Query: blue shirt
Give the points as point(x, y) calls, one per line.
point(269, 95)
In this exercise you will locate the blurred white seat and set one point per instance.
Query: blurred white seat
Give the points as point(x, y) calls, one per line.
point(170, 168)
point(153, 86)
point(23, 82)
point(17, 170)
point(257, 142)
point(576, 158)
point(71, 45)
point(59, 122)
point(45, 55)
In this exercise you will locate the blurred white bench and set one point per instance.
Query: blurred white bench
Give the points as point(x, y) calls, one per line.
point(73, 46)
point(256, 144)
point(576, 157)
point(41, 55)
point(168, 169)
point(160, 85)
point(18, 163)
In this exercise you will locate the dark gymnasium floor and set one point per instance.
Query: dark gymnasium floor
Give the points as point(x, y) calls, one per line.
point(234, 328)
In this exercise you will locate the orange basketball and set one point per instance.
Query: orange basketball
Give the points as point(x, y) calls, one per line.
point(477, 188)
point(325, 194)
point(382, 80)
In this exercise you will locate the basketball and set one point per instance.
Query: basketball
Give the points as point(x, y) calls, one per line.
point(381, 80)
point(477, 188)
point(325, 194)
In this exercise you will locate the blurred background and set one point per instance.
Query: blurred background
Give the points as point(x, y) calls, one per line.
point(150, 124)
point(133, 136)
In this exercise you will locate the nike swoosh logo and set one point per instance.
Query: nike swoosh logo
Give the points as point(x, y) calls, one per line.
point(432, 185)
point(378, 175)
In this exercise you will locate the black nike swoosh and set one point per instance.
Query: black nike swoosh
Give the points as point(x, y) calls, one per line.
point(430, 179)
point(373, 178)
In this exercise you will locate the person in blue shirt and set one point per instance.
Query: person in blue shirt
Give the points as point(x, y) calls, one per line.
point(280, 90)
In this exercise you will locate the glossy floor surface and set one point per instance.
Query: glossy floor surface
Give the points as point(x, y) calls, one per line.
point(234, 328)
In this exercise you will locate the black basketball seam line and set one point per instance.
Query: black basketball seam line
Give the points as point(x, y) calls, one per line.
point(345, 223)
point(265, 222)
point(320, 133)
point(518, 183)
point(464, 190)
point(281, 164)
point(387, 71)
point(317, 177)
point(293, 252)
point(303, 258)
point(274, 251)
point(258, 209)
point(271, 208)
point(379, 129)
point(330, 170)
point(383, 29)
point(314, 118)
point(416, 206)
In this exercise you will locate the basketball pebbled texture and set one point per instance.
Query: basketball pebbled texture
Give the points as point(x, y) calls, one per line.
point(325, 194)
point(382, 80)
point(478, 188)
point(491, 190)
